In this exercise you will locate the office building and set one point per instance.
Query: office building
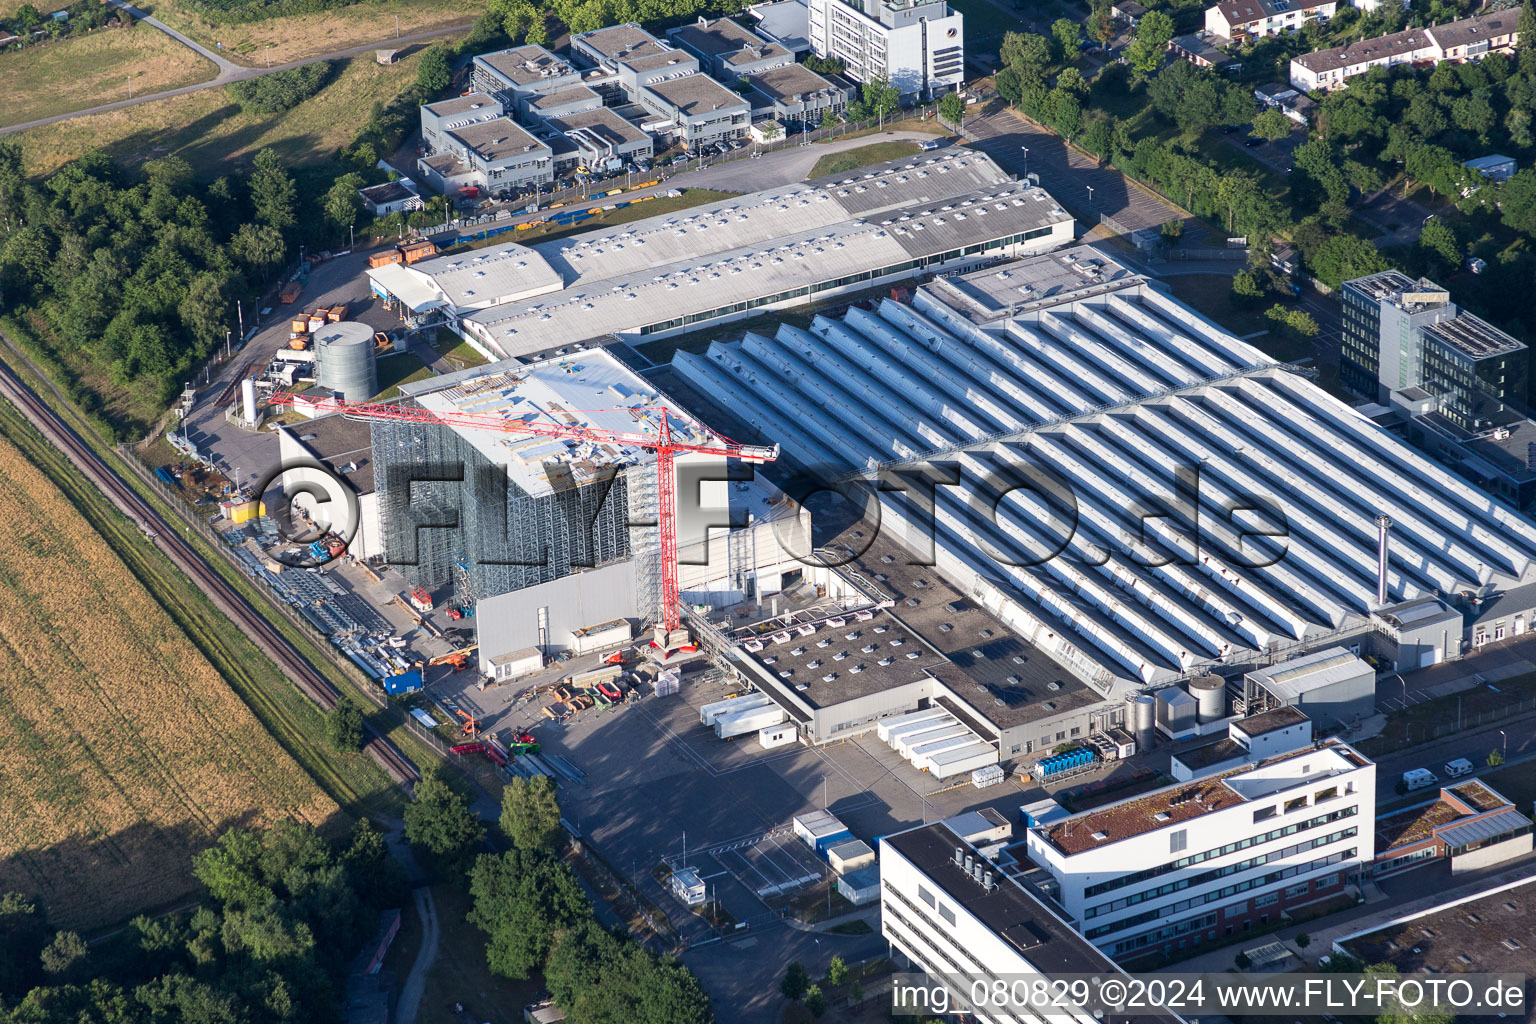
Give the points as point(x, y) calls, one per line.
point(728, 51)
point(516, 75)
point(438, 119)
point(1209, 859)
point(1406, 336)
point(494, 154)
point(603, 140)
point(699, 111)
point(947, 911)
point(796, 95)
point(919, 45)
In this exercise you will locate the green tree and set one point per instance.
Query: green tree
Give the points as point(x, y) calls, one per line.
point(1027, 54)
point(25, 19)
point(342, 203)
point(881, 98)
point(771, 131)
point(344, 726)
point(796, 980)
point(1272, 124)
point(837, 971)
point(1494, 759)
point(1172, 230)
point(523, 901)
point(815, 1001)
point(530, 814)
point(433, 71)
point(1248, 287)
point(23, 934)
point(204, 312)
point(1303, 940)
point(1344, 257)
point(1242, 961)
point(951, 109)
point(1071, 80)
point(1148, 49)
point(1525, 51)
point(1517, 202)
point(259, 246)
point(439, 820)
point(1437, 239)
point(64, 958)
point(272, 191)
point(1067, 34)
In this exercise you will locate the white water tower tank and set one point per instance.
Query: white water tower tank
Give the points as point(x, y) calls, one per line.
point(1209, 692)
point(344, 360)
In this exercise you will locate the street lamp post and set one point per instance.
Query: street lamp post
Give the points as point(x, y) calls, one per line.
point(1026, 160)
point(1503, 745)
point(1090, 194)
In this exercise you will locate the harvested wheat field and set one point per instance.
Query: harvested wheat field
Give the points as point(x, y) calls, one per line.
point(122, 751)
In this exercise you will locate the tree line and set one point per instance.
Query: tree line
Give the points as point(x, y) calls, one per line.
point(284, 911)
point(536, 917)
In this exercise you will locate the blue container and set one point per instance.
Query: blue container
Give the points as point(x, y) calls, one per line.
point(405, 682)
point(165, 475)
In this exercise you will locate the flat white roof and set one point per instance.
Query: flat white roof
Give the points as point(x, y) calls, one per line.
point(411, 288)
point(589, 388)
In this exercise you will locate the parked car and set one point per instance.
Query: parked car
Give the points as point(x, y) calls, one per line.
point(1252, 141)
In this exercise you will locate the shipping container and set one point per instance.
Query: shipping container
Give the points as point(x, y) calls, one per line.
point(820, 829)
point(605, 634)
point(850, 855)
point(883, 729)
point(860, 887)
point(743, 722)
point(291, 292)
point(404, 682)
point(385, 258)
point(902, 732)
point(960, 760)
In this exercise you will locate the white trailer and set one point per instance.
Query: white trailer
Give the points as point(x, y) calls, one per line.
point(709, 712)
point(757, 719)
point(776, 736)
point(883, 729)
point(907, 744)
point(923, 754)
point(901, 732)
point(961, 760)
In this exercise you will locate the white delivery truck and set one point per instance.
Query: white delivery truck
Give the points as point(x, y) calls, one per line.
point(1418, 778)
point(1457, 768)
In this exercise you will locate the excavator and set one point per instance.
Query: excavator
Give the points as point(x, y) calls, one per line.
point(471, 723)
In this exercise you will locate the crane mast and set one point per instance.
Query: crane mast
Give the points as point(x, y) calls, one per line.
point(661, 442)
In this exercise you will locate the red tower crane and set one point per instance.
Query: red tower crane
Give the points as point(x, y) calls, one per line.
point(661, 442)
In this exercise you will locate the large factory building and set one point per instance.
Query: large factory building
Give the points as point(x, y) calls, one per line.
point(1182, 516)
point(717, 262)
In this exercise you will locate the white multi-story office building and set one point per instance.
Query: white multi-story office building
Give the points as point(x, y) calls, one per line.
point(949, 912)
point(918, 44)
point(1207, 859)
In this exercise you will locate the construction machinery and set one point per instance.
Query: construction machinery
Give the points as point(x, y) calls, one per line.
point(458, 659)
point(471, 725)
point(669, 616)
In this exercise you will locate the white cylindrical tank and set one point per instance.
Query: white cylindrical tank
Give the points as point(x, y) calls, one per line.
point(1209, 692)
point(344, 360)
point(1143, 715)
point(248, 399)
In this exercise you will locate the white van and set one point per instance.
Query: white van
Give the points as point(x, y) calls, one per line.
point(1418, 778)
point(1457, 768)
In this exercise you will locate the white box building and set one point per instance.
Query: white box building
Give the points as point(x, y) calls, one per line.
point(1205, 860)
point(918, 44)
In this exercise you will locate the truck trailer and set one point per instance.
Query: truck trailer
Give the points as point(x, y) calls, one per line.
point(752, 721)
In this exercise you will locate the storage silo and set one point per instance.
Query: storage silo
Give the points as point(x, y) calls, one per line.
point(344, 361)
point(1140, 714)
point(1210, 693)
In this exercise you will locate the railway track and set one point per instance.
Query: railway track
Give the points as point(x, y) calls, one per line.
point(299, 670)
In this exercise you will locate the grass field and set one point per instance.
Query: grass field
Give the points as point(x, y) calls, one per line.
point(397, 369)
point(853, 159)
point(311, 35)
point(210, 132)
point(99, 67)
point(985, 21)
point(121, 748)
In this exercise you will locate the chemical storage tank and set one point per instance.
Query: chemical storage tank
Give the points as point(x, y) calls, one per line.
point(1209, 692)
point(344, 361)
point(1140, 716)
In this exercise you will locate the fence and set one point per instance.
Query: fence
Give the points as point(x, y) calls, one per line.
point(368, 686)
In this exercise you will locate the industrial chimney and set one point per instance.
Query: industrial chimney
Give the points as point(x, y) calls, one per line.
point(1383, 524)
